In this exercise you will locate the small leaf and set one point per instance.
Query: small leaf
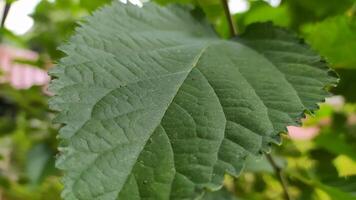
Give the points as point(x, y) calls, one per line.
point(39, 163)
point(345, 166)
point(157, 106)
point(261, 11)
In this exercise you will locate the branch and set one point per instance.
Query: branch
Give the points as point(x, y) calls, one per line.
point(232, 27)
point(5, 13)
point(280, 175)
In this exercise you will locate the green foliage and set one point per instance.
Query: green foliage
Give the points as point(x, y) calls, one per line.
point(261, 11)
point(55, 22)
point(28, 146)
point(212, 8)
point(304, 11)
point(336, 39)
point(222, 194)
point(180, 105)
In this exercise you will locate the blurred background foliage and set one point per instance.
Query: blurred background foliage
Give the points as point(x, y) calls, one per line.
point(318, 160)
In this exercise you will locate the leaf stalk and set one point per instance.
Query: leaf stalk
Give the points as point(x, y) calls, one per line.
point(279, 173)
point(230, 21)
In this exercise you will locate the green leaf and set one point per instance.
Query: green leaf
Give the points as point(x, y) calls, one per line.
point(38, 160)
point(212, 8)
point(261, 11)
point(222, 194)
point(92, 5)
point(334, 38)
point(328, 174)
point(157, 106)
point(340, 144)
point(335, 193)
point(304, 11)
point(332, 192)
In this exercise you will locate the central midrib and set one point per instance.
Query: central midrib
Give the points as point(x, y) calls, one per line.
point(193, 65)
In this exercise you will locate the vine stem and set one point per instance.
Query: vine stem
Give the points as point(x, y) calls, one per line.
point(279, 173)
point(232, 27)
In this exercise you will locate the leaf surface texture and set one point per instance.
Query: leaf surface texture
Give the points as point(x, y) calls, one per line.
point(156, 106)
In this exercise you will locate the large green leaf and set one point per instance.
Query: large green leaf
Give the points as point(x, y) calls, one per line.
point(156, 106)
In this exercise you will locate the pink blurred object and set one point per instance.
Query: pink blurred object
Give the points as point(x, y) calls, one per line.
point(303, 133)
point(18, 75)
